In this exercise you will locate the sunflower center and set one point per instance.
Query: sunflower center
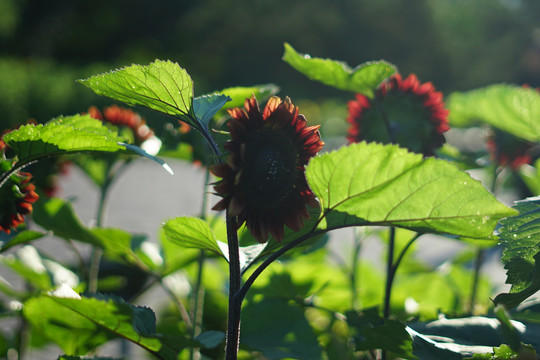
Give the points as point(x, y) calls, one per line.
point(270, 169)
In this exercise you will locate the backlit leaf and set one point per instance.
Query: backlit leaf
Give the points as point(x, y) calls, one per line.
point(64, 135)
point(162, 86)
point(363, 79)
point(510, 108)
point(373, 184)
point(239, 94)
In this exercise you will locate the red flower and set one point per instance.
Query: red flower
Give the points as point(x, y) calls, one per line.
point(124, 117)
point(403, 112)
point(16, 196)
point(263, 180)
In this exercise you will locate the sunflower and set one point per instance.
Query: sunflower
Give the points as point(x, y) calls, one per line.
point(16, 197)
point(263, 179)
point(403, 111)
point(508, 150)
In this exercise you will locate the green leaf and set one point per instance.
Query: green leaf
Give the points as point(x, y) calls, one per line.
point(279, 330)
point(9, 240)
point(78, 325)
point(373, 184)
point(427, 348)
point(363, 79)
point(64, 135)
point(211, 339)
point(207, 106)
point(58, 216)
point(510, 108)
point(520, 239)
point(28, 263)
point(467, 336)
point(509, 332)
point(66, 357)
point(239, 94)
point(191, 232)
point(371, 331)
point(504, 352)
point(122, 246)
point(162, 86)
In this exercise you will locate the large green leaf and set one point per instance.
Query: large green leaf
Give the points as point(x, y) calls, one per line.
point(520, 239)
point(363, 79)
point(374, 184)
point(64, 135)
point(79, 324)
point(510, 108)
point(162, 86)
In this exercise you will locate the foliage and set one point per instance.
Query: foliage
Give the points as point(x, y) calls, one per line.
point(311, 304)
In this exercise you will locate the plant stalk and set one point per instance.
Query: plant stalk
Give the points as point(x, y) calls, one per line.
point(235, 302)
point(390, 272)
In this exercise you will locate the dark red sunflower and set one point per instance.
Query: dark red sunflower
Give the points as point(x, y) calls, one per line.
point(124, 117)
point(16, 196)
point(403, 111)
point(263, 180)
point(508, 150)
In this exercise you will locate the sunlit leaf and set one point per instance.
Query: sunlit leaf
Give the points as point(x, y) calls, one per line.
point(520, 239)
point(64, 135)
point(239, 94)
point(373, 184)
point(363, 79)
point(510, 108)
point(162, 86)
point(191, 232)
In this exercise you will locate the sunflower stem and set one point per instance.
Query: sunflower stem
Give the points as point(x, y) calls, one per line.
point(235, 302)
point(390, 272)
